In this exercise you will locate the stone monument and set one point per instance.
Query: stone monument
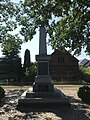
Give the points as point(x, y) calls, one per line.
point(42, 81)
point(42, 91)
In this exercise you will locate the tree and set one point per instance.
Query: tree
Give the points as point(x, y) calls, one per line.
point(29, 68)
point(8, 23)
point(17, 69)
point(27, 62)
point(10, 42)
point(85, 73)
point(11, 46)
point(70, 30)
point(67, 21)
point(27, 59)
point(74, 28)
point(11, 69)
point(30, 73)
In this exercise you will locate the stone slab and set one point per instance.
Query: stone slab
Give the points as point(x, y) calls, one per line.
point(43, 87)
point(43, 57)
point(37, 100)
point(43, 79)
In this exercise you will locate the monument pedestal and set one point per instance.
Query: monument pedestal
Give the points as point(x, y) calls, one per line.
point(43, 81)
point(43, 84)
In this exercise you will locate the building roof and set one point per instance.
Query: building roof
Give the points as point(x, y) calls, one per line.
point(85, 62)
point(64, 52)
point(88, 64)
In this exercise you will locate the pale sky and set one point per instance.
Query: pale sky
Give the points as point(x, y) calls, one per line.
point(33, 46)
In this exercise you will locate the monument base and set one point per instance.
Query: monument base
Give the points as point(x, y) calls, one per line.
point(43, 84)
point(37, 100)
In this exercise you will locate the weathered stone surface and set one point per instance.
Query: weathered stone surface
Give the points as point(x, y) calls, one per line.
point(43, 81)
point(42, 41)
point(43, 87)
point(43, 68)
point(43, 99)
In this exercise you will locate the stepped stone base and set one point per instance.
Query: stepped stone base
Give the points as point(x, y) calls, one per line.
point(43, 84)
point(46, 87)
point(38, 100)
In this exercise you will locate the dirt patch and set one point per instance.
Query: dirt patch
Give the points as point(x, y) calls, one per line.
point(77, 111)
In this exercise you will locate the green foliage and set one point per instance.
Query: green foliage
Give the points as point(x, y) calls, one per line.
point(11, 69)
point(2, 93)
point(35, 12)
point(30, 73)
point(17, 69)
point(67, 21)
point(84, 94)
point(10, 41)
point(8, 22)
point(27, 59)
point(29, 68)
point(72, 30)
point(11, 46)
point(86, 72)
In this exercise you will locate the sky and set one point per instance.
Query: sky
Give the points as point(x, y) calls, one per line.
point(33, 46)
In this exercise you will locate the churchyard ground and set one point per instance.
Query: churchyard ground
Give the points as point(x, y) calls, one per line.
point(77, 111)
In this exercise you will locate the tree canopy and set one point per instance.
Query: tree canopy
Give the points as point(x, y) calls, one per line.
point(11, 46)
point(10, 41)
point(67, 21)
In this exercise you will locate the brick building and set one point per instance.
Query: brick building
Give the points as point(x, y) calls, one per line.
point(64, 67)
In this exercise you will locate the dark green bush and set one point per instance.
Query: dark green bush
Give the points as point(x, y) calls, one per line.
point(84, 94)
point(2, 93)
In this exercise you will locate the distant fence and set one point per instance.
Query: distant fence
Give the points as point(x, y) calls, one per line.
point(6, 82)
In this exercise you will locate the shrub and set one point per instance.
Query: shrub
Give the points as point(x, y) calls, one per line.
point(84, 94)
point(85, 73)
point(2, 93)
